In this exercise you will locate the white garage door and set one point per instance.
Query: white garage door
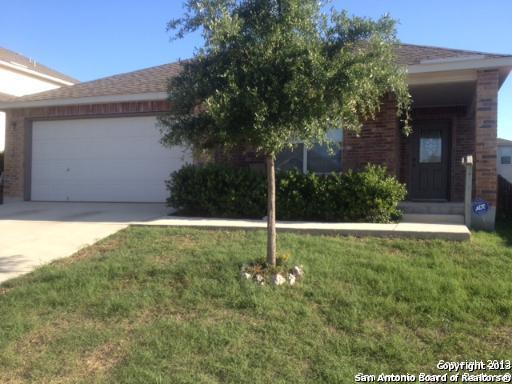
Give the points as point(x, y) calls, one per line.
point(107, 159)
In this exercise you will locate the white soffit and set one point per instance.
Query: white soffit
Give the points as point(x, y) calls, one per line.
point(457, 65)
point(463, 76)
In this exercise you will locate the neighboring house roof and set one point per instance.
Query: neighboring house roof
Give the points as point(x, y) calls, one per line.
point(11, 57)
point(149, 80)
point(153, 81)
point(504, 143)
point(6, 97)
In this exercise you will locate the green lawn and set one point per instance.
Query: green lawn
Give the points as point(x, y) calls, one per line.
point(156, 305)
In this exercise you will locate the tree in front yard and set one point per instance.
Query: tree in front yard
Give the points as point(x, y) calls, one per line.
point(271, 72)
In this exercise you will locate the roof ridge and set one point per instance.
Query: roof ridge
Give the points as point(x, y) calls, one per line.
point(127, 73)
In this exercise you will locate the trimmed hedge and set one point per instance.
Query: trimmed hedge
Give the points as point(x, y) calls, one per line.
point(223, 191)
point(218, 191)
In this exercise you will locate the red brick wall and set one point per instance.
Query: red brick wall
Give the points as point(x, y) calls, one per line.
point(18, 120)
point(242, 157)
point(382, 142)
point(486, 110)
point(464, 145)
point(377, 143)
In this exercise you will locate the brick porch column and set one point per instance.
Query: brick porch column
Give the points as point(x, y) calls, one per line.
point(486, 123)
point(14, 155)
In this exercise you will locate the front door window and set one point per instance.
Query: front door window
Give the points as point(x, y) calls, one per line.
point(431, 147)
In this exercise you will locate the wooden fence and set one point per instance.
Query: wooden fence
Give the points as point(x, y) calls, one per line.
point(504, 197)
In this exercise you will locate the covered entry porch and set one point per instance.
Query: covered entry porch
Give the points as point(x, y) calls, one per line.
point(454, 115)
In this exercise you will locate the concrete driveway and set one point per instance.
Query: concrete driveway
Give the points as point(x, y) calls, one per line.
point(32, 233)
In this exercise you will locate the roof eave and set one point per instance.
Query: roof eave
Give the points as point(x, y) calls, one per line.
point(84, 100)
point(486, 63)
point(459, 68)
point(504, 64)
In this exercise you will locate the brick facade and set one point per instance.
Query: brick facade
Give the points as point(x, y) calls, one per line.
point(377, 143)
point(18, 122)
point(486, 124)
point(380, 141)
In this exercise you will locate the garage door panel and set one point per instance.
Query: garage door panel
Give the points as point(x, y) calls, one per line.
point(99, 192)
point(96, 169)
point(114, 159)
point(139, 149)
point(109, 127)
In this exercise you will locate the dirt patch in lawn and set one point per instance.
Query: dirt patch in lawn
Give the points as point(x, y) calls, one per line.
point(102, 359)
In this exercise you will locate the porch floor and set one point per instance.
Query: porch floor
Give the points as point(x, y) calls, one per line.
point(423, 229)
point(432, 208)
point(432, 218)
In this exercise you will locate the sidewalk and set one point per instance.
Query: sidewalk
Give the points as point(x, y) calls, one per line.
point(446, 231)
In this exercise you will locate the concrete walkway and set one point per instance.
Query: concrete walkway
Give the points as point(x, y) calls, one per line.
point(32, 234)
point(450, 229)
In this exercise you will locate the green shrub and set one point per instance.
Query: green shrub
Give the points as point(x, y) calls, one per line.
point(218, 191)
point(223, 191)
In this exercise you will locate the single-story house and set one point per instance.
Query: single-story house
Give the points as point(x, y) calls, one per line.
point(504, 159)
point(97, 140)
point(20, 76)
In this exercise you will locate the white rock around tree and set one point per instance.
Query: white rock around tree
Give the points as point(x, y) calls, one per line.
point(278, 279)
point(297, 271)
point(291, 277)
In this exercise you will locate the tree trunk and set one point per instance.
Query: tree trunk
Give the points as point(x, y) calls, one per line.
point(271, 210)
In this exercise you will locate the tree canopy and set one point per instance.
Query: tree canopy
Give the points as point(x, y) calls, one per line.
point(272, 72)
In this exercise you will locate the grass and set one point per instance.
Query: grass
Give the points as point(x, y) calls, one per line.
point(163, 305)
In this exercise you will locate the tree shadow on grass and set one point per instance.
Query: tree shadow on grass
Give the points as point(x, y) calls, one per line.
point(504, 229)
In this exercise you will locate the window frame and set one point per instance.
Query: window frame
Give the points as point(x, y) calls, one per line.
point(305, 150)
point(509, 157)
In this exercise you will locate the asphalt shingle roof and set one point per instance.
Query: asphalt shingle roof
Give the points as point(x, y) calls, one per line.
point(410, 54)
point(504, 142)
point(147, 80)
point(13, 57)
point(155, 79)
point(6, 97)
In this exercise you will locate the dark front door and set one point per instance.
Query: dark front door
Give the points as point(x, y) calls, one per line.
point(430, 149)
